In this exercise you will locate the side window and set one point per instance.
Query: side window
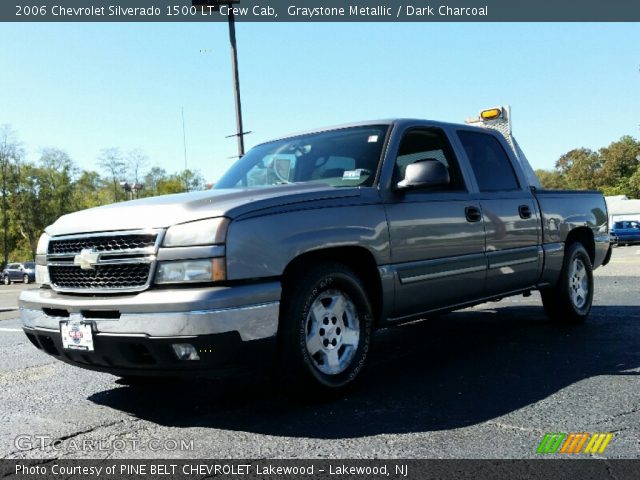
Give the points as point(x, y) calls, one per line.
point(490, 163)
point(423, 144)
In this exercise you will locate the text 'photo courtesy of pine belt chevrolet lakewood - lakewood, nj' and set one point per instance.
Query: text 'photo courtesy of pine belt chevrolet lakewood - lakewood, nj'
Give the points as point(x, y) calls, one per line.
point(306, 246)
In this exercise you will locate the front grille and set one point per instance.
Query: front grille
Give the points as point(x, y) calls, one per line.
point(121, 261)
point(113, 277)
point(115, 243)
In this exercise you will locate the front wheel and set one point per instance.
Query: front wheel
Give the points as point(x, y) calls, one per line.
point(570, 300)
point(6, 280)
point(325, 329)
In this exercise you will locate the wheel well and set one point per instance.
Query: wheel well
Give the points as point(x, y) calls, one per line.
point(584, 235)
point(359, 259)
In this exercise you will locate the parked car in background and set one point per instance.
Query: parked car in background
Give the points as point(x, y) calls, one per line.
point(625, 232)
point(19, 272)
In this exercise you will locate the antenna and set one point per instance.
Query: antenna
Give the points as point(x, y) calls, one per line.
point(184, 140)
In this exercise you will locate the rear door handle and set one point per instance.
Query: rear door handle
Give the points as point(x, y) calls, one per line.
point(524, 211)
point(472, 214)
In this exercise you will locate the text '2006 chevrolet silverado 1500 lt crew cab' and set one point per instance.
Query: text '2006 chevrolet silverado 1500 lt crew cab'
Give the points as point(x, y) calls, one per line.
point(306, 246)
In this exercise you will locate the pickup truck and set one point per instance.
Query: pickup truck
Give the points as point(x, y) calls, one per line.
point(305, 247)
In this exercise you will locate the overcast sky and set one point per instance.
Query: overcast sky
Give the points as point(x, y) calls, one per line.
point(83, 87)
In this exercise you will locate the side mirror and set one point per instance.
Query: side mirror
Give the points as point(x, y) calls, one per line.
point(423, 174)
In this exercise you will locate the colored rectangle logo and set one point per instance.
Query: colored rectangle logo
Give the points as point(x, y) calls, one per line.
point(574, 443)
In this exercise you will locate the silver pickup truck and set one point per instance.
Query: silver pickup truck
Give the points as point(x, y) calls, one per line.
point(305, 247)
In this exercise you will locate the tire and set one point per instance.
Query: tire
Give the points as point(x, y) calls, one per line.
point(570, 300)
point(6, 280)
point(326, 324)
point(25, 279)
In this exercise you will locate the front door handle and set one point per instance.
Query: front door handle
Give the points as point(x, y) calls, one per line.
point(473, 214)
point(524, 211)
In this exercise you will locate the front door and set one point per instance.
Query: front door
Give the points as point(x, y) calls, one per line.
point(437, 236)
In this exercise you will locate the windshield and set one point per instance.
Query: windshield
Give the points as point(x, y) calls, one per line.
point(340, 158)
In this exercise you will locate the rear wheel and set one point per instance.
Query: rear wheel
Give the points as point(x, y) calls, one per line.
point(25, 278)
point(570, 300)
point(325, 329)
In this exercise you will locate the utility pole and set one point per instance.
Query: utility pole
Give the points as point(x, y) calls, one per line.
point(215, 6)
point(236, 82)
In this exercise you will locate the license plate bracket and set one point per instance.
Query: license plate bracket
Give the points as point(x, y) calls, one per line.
point(76, 335)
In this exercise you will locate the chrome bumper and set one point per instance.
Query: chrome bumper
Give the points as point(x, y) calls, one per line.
point(251, 310)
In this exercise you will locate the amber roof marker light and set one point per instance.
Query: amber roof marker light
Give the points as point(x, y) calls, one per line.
point(491, 113)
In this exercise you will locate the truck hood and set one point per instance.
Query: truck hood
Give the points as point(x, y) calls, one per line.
point(167, 210)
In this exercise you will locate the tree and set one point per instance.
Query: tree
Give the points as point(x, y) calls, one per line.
point(185, 181)
point(110, 159)
point(192, 180)
point(137, 162)
point(10, 155)
point(158, 182)
point(57, 181)
point(32, 208)
point(620, 165)
point(90, 191)
point(634, 184)
point(151, 181)
point(580, 169)
point(551, 179)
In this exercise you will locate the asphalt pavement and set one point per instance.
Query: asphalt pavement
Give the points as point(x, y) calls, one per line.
point(486, 382)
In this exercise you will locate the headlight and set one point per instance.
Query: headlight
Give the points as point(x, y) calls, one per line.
point(191, 271)
point(203, 232)
point(43, 245)
point(42, 273)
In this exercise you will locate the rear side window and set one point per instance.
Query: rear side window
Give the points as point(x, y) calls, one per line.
point(490, 163)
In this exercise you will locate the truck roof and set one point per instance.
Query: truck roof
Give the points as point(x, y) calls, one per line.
point(385, 121)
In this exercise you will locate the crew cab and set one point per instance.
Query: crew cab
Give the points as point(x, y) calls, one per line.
point(306, 246)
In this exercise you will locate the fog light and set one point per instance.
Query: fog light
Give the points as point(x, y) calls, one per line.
point(185, 351)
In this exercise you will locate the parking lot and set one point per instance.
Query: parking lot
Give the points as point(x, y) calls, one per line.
point(486, 382)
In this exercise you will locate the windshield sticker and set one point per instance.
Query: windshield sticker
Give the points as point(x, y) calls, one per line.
point(352, 174)
point(372, 138)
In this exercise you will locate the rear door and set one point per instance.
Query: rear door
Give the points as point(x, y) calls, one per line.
point(437, 236)
point(510, 212)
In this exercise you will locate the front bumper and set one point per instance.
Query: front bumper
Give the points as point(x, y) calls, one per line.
point(231, 328)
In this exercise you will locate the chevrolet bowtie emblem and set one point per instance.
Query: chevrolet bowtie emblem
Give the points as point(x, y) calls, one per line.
point(87, 259)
